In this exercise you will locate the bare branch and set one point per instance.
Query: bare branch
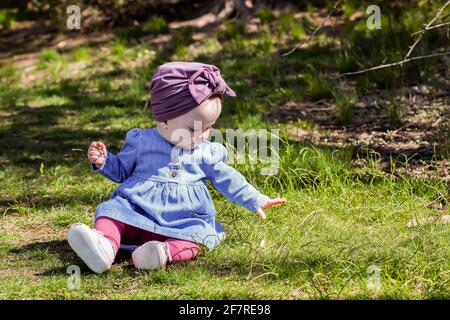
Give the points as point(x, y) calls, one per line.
point(393, 64)
point(432, 27)
point(407, 58)
point(430, 23)
point(315, 31)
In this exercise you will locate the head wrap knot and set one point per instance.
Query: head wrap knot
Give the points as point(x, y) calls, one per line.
point(179, 87)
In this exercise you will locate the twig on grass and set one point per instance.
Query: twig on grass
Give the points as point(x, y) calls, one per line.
point(309, 216)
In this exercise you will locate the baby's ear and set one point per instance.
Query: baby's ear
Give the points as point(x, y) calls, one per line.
point(163, 124)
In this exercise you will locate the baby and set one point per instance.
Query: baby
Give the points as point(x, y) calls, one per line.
point(163, 206)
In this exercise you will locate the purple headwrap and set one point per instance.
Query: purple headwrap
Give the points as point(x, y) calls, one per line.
point(179, 87)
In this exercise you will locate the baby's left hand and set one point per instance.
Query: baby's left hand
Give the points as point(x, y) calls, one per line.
point(270, 203)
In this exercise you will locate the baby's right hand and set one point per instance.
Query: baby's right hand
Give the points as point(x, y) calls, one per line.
point(97, 153)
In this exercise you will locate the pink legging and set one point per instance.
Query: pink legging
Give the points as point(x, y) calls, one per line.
point(114, 231)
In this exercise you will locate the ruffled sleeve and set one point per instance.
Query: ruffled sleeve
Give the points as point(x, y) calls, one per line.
point(119, 167)
point(230, 182)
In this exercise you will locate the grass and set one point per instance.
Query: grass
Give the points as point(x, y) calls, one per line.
point(155, 24)
point(340, 221)
point(345, 100)
point(7, 20)
point(319, 245)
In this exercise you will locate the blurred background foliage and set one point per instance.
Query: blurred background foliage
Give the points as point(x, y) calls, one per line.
point(123, 12)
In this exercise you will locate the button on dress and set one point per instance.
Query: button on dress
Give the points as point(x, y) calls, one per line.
point(163, 190)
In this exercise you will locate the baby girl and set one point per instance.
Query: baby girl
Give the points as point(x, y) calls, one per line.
point(163, 206)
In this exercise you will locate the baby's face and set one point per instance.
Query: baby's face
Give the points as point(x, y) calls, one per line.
point(190, 129)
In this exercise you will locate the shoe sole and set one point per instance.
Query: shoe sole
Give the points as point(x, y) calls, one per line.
point(151, 254)
point(86, 248)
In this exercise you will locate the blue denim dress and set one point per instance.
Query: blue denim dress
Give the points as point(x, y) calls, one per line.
point(163, 187)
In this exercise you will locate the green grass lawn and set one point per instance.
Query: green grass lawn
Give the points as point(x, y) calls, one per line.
point(319, 245)
point(340, 221)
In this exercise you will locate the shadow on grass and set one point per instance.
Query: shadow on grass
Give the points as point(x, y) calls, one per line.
point(67, 256)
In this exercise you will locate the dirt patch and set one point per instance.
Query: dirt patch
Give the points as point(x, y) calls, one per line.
point(30, 232)
point(20, 272)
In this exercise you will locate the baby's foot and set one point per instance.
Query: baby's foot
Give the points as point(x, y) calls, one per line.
point(92, 247)
point(151, 255)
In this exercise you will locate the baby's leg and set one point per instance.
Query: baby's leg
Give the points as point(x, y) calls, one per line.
point(96, 247)
point(157, 251)
point(182, 250)
point(111, 229)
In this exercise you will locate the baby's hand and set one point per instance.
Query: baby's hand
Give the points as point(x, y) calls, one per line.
point(97, 153)
point(270, 203)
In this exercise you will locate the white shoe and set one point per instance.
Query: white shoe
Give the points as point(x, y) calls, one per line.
point(151, 255)
point(92, 247)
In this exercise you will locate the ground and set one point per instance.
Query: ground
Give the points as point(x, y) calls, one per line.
point(364, 161)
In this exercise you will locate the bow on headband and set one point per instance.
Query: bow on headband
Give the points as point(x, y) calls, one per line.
point(206, 83)
point(178, 87)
